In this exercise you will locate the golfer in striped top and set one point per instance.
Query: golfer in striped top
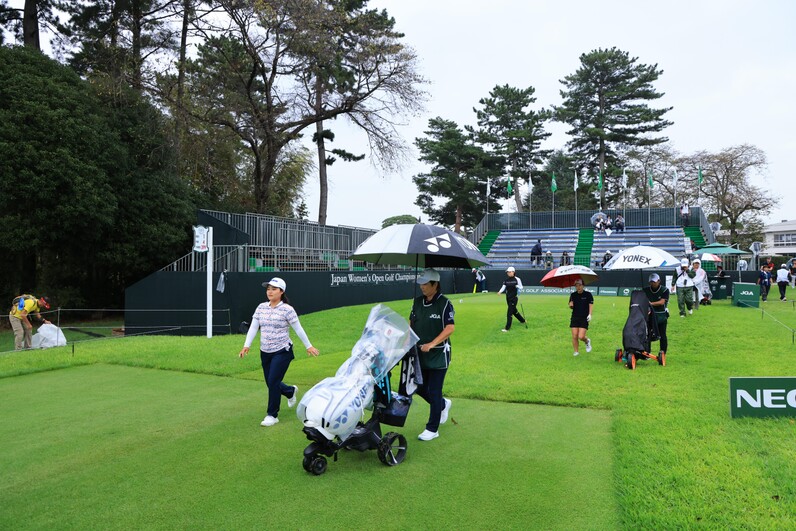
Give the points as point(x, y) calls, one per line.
point(272, 318)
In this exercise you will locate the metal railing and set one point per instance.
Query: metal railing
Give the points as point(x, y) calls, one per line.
point(261, 258)
point(273, 231)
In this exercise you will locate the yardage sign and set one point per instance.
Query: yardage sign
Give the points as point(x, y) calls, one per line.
point(763, 397)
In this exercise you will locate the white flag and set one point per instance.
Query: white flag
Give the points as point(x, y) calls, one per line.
point(675, 177)
point(576, 181)
point(488, 187)
point(624, 178)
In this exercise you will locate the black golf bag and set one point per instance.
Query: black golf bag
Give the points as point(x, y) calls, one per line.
point(641, 328)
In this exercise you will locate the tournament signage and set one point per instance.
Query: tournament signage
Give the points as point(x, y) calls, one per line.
point(763, 397)
point(200, 239)
point(542, 290)
point(369, 279)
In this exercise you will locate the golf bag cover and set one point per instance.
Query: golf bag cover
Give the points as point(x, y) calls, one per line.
point(48, 336)
point(641, 326)
point(335, 405)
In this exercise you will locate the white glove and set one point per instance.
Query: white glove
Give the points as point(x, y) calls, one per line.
point(588, 318)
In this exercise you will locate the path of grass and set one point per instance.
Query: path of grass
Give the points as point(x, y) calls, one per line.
point(679, 461)
point(108, 447)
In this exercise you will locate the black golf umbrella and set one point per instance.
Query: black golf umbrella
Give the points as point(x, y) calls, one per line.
point(421, 246)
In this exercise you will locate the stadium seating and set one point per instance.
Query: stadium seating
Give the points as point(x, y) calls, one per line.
point(513, 247)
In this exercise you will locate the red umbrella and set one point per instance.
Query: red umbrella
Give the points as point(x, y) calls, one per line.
point(710, 257)
point(565, 276)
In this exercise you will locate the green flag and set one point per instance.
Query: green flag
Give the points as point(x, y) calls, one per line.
point(553, 185)
point(600, 181)
point(700, 175)
point(652, 183)
point(508, 180)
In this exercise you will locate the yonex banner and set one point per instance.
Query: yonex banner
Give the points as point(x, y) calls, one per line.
point(763, 397)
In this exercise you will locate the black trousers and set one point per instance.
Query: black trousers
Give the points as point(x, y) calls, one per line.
point(512, 311)
point(664, 339)
point(783, 286)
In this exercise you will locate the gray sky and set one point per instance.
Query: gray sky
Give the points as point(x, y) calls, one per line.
point(729, 71)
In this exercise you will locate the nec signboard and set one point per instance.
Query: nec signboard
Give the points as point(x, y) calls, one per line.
point(763, 397)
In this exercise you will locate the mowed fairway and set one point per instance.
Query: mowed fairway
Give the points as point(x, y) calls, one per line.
point(110, 447)
point(163, 432)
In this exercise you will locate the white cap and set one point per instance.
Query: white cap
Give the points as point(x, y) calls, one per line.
point(510, 269)
point(277, 283)
point(684, 262)
point(696, 261)
point(427, 276)
point(655, 277)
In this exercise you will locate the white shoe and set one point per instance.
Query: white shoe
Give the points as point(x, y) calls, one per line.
point(576, 353)
point(428, 435)
point(443, 417)
point(292, 400)
point(690, 312)
point(269, 421)
point(504, 330)
point(588, 345)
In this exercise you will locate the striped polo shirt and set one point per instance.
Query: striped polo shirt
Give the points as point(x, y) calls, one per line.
point(274, 325)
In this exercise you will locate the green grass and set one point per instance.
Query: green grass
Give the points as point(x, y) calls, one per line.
point(653, 448)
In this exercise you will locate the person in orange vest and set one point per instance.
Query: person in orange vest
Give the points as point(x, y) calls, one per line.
point(21, 308)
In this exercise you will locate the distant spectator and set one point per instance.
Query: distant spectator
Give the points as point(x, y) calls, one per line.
point(606, 258)
point(685, 213)
point(565, 259)
point(769, 263)
point(480, 281)
point(764, 280)
point(793, 272)
point(683, 282)
point(619, 224)
point(783, 279)
point(548, 260)
point(609, 222)
point(720, 272)
point(702, 292)
point(536, 254)
point(599, 225)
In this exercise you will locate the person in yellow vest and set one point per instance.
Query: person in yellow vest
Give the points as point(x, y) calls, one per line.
point(21, 308)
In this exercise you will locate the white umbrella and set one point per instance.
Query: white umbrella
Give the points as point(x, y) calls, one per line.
point(642, 257)
point(419, 245)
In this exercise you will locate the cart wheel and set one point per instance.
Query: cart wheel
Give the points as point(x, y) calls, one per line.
point(662, 358)
point(631, 361)
point(318, 465)
point(307, 463)
point(618, 354)
point(392, 449)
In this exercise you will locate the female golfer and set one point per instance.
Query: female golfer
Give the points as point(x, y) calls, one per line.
point(276, 350)
point(581, 302)
point(432, 321)
point(510, 286)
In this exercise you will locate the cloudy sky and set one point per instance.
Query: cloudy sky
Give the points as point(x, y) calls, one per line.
point(729, 72)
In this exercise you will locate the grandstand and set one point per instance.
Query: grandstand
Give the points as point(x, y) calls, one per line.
point(514, 235)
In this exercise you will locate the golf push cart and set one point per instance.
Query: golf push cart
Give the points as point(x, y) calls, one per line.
point(332, 410)
point(641, 328)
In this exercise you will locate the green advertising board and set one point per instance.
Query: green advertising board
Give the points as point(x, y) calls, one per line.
point(609, 291)
point(762, 397)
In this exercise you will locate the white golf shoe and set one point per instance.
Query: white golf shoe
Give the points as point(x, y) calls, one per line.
point(588, 345)
point(292, 400)
point(428, 435)
point(443, 417)
point(269, 421)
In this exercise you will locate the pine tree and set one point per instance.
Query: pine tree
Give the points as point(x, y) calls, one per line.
point(606, 104)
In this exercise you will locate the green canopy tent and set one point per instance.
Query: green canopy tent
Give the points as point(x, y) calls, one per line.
point(721, 249)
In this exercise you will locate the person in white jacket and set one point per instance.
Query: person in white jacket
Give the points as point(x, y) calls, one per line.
point(701, 285)
point(783, 279)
